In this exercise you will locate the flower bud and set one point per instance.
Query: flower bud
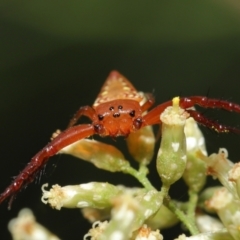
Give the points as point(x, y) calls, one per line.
point(150, 203)
point(195, 172)
point(125, 210)
point(234, 176)
point(218, 166)
point(129, 214)
point(194, 137)
point(26, 227)
point(141, 144)
point(205, 195)
point(145, 233)
point(164, 218)
point(103, 156)
point(94, 194)
point(206, 223)
point(171, 160)
point(228, 210)
point(93, 214)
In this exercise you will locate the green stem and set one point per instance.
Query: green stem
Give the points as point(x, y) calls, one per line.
point(193, 198)
point(164, 191)
point(183, 217)
point(140, 176)
point(189, 222)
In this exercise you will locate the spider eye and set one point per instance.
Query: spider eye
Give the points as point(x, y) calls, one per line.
point(137, 123)
point(120, 107)
point(100, 117)
point(115, 115)
point(111, 108)
point(132, 113)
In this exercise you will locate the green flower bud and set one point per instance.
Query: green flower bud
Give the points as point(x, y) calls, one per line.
point(150, 203)
point(171, 160)
point(94, 194)
point(93, 214)
point(205, 195)
point(194, 137)
point(141, 145)
point(125, 209)
point(195, 172)
point(206, 223)
point(228, 210)
point(103, 156)
point(234, 176)
point(164, 218)
point(129, 214)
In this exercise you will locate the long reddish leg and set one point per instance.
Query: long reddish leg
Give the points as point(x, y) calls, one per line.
point(153, 116)
point(188, 102)
point(28, 174)
point(211, 124)
point(83, 111)
point(205, 102)
point(150, 101)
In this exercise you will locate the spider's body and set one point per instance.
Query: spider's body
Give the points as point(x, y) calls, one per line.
point(117, 111)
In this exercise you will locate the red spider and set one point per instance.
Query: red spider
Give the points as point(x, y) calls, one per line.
point(116, 112)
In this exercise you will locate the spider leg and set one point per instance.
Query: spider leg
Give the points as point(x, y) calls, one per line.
point(28, 174)
point(149, 102)
point(211, 124)
point(83, 111)
point(188, 102)
point(153, 116)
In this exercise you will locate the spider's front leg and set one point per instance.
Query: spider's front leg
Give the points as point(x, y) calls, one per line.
point(83, 111)
point(189, 102)
point(202, 101)
point(153, 117)
point(149, 100)
point(216, 126)
point(28, 174)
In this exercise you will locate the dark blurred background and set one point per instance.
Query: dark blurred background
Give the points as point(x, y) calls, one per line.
point(55, 56)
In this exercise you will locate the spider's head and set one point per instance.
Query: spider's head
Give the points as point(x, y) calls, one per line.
point(118, 118)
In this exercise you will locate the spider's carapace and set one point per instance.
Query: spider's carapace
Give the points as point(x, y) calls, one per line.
point(117, 111)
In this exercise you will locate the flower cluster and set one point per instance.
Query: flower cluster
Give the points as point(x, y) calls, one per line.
point(122, 213)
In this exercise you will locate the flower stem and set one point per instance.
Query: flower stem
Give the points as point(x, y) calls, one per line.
point(183, 217)
point(140, 176)
point(193, 198)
